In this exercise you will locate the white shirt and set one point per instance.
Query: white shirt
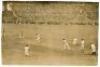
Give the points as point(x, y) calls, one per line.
point(75, 41)
point(65, 42)
point(93, 47)
point(82, 44)
point(26, 48)
point(9, 8)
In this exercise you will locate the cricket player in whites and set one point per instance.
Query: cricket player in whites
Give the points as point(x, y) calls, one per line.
point(66, 44)
point(26, 50)
point(38, 37)
point(82, 45)
point(93, 49)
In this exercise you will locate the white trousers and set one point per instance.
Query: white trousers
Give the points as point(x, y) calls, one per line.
point(27, 52)
point(67, 46)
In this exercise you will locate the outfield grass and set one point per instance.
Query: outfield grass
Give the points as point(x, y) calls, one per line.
point(50, 48)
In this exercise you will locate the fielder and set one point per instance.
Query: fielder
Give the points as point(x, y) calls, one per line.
point(93, 48)
point(38, 37)
point(82, 45)
point(26, 50)
point(66, 45)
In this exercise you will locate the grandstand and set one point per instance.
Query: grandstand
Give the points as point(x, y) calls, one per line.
point(52, 13)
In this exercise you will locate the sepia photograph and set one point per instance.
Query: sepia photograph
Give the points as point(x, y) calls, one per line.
point(50, 33)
